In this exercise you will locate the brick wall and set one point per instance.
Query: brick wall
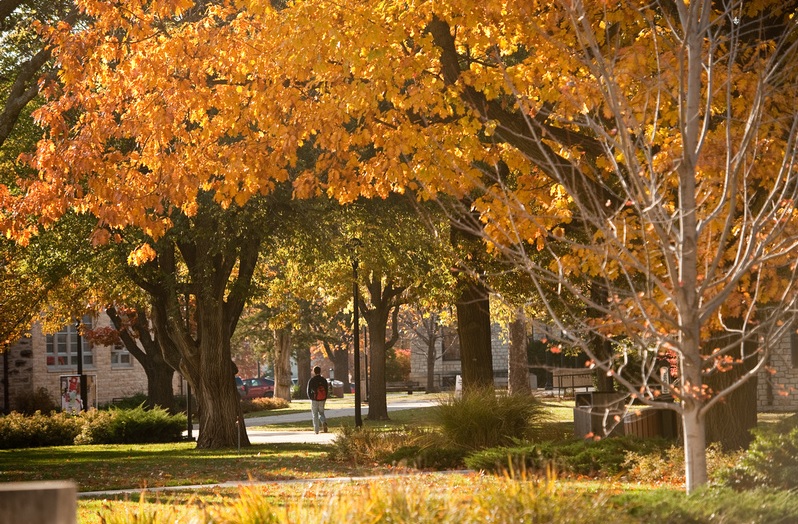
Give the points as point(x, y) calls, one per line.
point(445, 370)
point(28, 371)
point(779, 391)
point(19, 359)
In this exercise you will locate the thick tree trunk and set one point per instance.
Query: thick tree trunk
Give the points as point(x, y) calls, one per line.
point(378, 403)
point(340, 360)
point(473, 329)
point(384, 304)
point(303, 370)
point(518, 361)
point(149, 354)
point(160, 391)
point(221, 421)
point(282, 363)
point(473, 307)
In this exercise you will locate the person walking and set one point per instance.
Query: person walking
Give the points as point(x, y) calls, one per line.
point(317, 393)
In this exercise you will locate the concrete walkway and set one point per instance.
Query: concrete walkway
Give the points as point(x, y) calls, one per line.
point(276, 436)
point(258, 434)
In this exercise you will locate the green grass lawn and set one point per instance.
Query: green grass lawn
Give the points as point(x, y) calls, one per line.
point(293, 474)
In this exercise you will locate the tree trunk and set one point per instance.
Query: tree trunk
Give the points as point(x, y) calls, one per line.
point(340, 360)
point(730, 422)
point(695, 445)
point(431, 358)
point(282, 363)
point(149, 354)
point(220, 269)
point(160, 391)
point(384, 304)
point(518, 361)
point(473, 307)
point(303, 370)
point(378, 403)
point(221, 421)
point(473, 329)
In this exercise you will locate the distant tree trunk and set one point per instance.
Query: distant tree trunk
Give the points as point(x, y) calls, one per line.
point(431, 358)
point(282, 363)
point(339, 356)
point(303, 370)
point(518, 361)
point(150, 355)
point(730, 422)
point(340, 362)
point(473, 330)
point(384, 304)
point(473, 309)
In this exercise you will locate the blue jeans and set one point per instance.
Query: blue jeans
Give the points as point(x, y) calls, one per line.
point(317, 410)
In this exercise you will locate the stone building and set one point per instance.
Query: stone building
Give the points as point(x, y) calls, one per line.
point(776, 390)
point(49, 361)
point(448, 365)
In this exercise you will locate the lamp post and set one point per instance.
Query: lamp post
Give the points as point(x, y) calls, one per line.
point(354, 245)
point(84, 396)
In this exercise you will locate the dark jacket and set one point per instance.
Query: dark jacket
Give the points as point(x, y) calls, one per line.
point(314, 382)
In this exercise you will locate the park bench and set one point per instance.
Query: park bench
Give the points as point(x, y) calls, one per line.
point(571, 378)
point(409, 386)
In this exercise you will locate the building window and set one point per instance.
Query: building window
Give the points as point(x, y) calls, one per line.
point(120, 357)
point(794, 349)
point(62, 348)
point(450, 344)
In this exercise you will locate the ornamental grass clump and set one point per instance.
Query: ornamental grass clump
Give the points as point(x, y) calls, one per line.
point(484, 418)
point(428, 499)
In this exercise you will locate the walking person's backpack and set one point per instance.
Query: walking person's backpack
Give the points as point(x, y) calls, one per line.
point(321, 392)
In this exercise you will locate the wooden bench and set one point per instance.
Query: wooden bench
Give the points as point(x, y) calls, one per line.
point(572, 378)
point(409, 386)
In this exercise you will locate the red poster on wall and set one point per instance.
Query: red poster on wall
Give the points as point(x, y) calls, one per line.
point(71, 400)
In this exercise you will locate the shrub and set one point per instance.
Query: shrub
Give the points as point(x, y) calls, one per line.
point(710, 505)
point(131, 426)
point(582, 457)
point(40, 400)
point(38, 430)
point(771, 459)
point(427, 457)
point(130, 402)
point(262, 404)
point(667, 465)
point(369, 445)
point(482, 419)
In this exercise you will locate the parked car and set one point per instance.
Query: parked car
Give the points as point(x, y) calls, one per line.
point(258, 387)
point(240, 386)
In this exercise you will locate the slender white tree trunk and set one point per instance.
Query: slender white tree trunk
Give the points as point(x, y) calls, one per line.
point(695, 445)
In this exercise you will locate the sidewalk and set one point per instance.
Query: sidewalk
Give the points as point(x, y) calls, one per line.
point(266, 436)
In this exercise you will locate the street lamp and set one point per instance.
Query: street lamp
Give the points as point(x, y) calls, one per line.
point(354, 245)
point(84, 396)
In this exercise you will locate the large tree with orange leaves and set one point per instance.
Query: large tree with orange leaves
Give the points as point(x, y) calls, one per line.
point(662, 131)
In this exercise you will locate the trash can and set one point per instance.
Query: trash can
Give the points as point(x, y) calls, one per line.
point(337, 388)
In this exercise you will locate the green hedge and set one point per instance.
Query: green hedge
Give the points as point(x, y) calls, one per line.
point(116, 426)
